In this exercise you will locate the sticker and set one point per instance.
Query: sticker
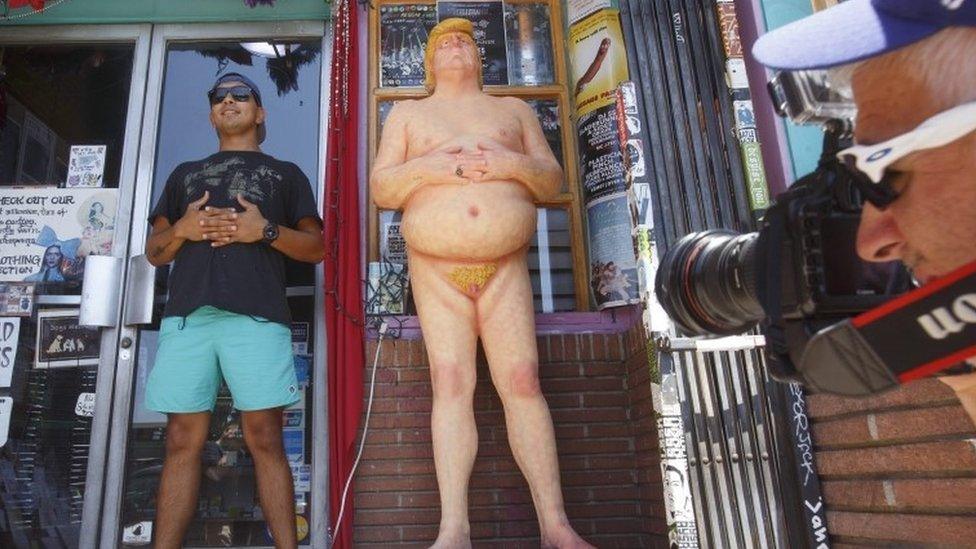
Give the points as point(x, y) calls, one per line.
point(85, 406)
point(299, 338)
point(302, 366)
point(138, 534)
point(6, 407)
point(294, 441)
point(301, 473)
point(9, 336)
point(735, 73)
point(294, 419)
point(301, 526)
point(745, 116)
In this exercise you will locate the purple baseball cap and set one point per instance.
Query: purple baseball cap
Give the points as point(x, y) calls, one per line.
point(238, 77)
point(858, 29)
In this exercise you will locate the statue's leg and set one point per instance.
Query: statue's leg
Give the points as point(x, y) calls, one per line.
point(447, 318)
point(507, 326)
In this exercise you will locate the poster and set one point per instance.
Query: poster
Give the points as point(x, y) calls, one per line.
point(86, 166)
point(45, 234)
point(6, 408)
point(547, 111)
point(598, 59)
point(62, 342)
point(488, 18)
point(613, 267)
point(393, 248)
point(578, 9)
point(600, 155)
point(16, 298)
point(528, 31)
point(403, 41)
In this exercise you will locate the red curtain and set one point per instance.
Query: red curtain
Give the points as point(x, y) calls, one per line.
point(343, 286)
point(36, 4)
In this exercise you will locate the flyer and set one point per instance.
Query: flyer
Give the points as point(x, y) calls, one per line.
point(86, 166)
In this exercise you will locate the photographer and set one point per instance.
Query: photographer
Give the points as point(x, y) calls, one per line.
point(908, 61)
point(827, 277)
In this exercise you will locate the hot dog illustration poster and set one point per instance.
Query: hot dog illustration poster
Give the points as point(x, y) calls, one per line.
point(598, 59)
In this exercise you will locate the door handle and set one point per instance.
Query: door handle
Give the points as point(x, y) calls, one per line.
point(100, 291)
point(139, 301)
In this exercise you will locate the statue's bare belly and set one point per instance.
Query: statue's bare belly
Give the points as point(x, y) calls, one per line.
point(478, 221)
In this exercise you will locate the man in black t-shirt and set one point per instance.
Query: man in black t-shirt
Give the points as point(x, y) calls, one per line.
point(228, 222)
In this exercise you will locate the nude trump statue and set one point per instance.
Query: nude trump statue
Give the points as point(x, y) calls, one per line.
point(467, 169)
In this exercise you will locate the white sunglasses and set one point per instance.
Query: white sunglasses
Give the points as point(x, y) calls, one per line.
point(870, 161)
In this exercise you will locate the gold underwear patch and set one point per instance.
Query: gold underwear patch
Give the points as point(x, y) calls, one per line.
point(472, 279)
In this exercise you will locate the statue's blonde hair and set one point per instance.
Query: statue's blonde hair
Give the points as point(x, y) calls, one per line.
point(447, 26)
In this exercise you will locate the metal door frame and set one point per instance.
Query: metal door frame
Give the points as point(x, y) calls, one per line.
point(162, 36)
point(138, 36)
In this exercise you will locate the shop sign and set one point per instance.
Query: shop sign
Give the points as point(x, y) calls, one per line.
point(9, 336)
point(6, 407)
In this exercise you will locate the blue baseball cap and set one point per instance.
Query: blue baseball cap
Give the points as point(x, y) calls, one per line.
point(858, 29)
point(238, 77)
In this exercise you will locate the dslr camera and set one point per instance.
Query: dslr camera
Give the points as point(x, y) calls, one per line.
point(799, 277)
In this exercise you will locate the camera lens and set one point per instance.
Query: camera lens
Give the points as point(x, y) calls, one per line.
point(707, 283)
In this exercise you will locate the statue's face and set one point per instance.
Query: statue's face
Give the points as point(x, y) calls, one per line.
point(456, 50)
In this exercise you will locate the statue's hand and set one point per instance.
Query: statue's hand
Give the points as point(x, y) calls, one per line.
point(444, 166)
point(500, 162)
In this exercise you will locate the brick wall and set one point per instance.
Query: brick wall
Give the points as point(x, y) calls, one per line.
point(897, 468)
point(598, 389)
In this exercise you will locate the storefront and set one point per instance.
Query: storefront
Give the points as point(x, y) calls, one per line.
point(99, 101)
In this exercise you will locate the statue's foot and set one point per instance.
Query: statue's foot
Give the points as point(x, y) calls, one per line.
point(452, 540)
point(564, 537)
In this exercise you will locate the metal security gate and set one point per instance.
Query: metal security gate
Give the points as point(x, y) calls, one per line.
point(750, 462)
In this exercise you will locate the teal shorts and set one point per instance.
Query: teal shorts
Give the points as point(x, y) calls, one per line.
point(252, 354)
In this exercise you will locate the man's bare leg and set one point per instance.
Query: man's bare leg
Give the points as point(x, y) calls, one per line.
point(507, 324)
point(262, 434)
point(447, 318)
point(179, 484)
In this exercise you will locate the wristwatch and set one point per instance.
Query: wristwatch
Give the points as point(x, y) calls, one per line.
point(269, 233)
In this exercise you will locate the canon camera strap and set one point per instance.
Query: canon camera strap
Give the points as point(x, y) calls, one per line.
point(912, 336)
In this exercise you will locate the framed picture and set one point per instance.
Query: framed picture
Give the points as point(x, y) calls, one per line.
point(61, 342)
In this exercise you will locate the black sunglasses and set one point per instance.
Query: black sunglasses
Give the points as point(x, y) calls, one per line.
point(241, 94)
point(880, 194)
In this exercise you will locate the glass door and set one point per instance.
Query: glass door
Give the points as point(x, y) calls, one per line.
point(288, 62)
point(70, 114)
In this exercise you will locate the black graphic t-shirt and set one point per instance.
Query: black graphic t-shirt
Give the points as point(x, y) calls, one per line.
point(242, 278)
